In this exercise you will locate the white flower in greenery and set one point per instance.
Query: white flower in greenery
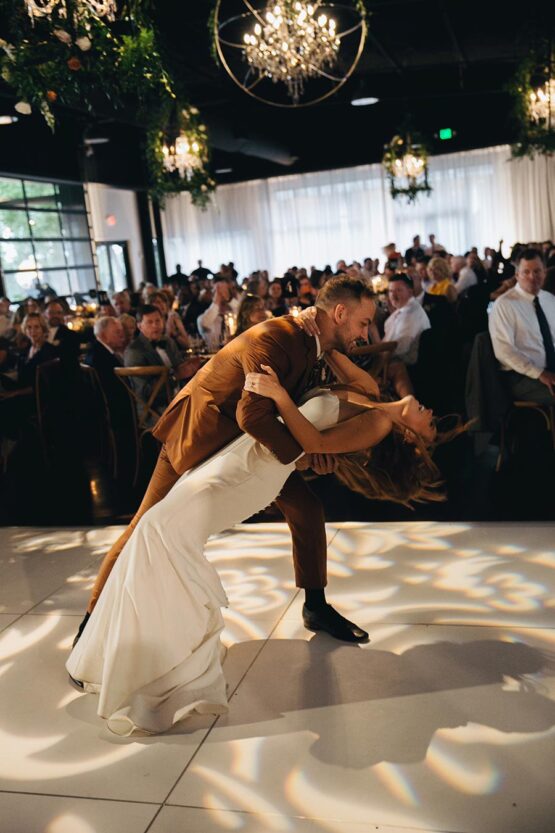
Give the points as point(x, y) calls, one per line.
point(23, 107)
point(62, 35)
point(6, 74)
point(204, 187)
point(84, 43)
point(193, 111)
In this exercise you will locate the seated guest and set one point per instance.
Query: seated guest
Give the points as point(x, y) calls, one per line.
point(66, 341)
point(129, 328)
point(251, 311)
point(276, 302)
point(456, 264)
point(6, 317)
point(106, 350)
point(434, 248)
point(193, 307)
point(407, 321)
point(307, 293)
point(440, 279)
point(211, 324)
point(17, 402)
point(522, 329)
point(107, 309)
point(173, 324)
point(151, 349)
point(36, 329)
point(121, 302)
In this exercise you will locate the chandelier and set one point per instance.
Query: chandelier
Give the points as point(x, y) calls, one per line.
point(406, 164)
point(541, 104)
point(45, 8)
point(290, 52)
point(294, 44)
point(185, 148)
point(182, 155)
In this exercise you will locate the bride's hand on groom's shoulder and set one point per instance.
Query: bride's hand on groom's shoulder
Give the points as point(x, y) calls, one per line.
point(306, 320)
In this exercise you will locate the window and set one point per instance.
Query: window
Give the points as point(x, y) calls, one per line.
point(44, 238)
point(113, 266)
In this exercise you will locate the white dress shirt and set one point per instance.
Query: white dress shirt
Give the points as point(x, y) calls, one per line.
point(467, 278)
point(210, 323)
point(405, 326)
point(515, 331)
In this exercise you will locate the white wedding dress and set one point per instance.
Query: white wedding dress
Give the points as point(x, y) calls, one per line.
point(151, 648)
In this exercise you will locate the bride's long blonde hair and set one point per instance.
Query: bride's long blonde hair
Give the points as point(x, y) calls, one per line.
point(400, 468)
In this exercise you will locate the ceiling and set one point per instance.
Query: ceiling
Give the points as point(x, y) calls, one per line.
point(444, 63)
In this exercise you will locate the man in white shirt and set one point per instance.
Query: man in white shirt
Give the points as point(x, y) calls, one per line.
point(407, 321)
point(212, 322)
point(522, 330)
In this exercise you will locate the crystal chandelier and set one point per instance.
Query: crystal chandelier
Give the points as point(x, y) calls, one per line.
point(406, 164)
point(541, 103)
point(45, 8)
point(183, 155)
point(290, 53)
point(293, 43)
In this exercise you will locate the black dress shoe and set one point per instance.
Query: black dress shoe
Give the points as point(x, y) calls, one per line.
point(327, 619)
point(81, 629)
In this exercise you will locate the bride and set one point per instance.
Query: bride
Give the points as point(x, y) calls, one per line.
point(151, 649)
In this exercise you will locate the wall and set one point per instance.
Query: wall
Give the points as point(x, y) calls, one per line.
point(105, 201)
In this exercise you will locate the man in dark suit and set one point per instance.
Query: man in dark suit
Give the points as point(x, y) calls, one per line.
point(214, 408)
point(66, 342)
point(104, 353)
point(152, 348)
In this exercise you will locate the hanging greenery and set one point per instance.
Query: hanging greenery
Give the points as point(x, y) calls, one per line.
point(75, 58)
point(406, 164)
point(534, 85)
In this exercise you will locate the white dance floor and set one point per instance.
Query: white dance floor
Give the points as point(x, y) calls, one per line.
point(444, 722)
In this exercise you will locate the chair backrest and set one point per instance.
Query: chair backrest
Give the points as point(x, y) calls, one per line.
point(72, 412)
point(146, 409)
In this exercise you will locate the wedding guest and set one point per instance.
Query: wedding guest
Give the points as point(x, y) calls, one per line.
point(201, 272)
point(415, 252)
point(151, 349)
point(106, 351)
point(36, 328)
point(440, 279)
point(251, 311)
point(129, 325)
point(407, 321)
point(6, 317)
point(178, 279)
point(122, 303)
point(65, 340)
point(434, 248)
point(174, 327)
point(211, 323)
point(276, 302)
point(522, 329)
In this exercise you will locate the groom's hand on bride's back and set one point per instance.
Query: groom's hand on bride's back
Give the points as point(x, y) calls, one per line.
point(319, 463)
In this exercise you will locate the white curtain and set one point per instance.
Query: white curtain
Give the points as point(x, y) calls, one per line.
point(478, 198)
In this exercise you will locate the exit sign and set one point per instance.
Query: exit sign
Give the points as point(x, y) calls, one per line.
point(445, 133)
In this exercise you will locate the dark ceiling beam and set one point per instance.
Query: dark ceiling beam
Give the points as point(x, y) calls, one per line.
point(452, 34)
point(385, 52)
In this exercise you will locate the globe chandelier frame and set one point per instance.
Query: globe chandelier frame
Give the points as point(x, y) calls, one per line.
point(406, 164)
point(311, 47)
point(534, 95)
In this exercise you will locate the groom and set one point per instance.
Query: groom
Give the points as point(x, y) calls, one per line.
point(213, 409)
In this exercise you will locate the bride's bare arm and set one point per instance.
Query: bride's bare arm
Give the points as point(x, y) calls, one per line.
point(360, 432)
point(347, 373)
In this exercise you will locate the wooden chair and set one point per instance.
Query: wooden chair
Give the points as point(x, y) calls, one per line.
point(146, 409)
point(547, 412)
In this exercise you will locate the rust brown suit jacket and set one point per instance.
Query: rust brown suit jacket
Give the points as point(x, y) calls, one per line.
point(213, 409)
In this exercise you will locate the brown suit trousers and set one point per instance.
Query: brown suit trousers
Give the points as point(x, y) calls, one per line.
point(213, 409)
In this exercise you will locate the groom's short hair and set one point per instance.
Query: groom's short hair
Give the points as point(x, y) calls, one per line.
point(342, 289)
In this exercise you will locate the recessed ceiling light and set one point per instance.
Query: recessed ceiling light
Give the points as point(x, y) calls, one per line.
point(364, 102)
point(223, 170)
point(8, 119)
point(97, 140)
